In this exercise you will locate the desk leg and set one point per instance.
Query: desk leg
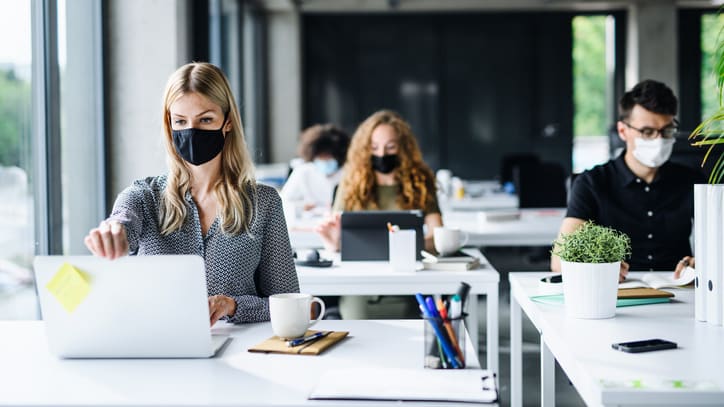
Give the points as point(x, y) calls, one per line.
point(547, 376)
point(472, 320)
point(492, 328)
point(516, 354)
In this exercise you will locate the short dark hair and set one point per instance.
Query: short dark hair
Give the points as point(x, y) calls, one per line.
point(651, 95)
point(324, 139)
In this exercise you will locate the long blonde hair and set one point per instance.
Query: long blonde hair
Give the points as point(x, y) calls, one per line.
point(236, 184)
point(415, 179)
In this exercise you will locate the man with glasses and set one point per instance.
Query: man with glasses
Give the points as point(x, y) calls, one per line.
point(640, 192)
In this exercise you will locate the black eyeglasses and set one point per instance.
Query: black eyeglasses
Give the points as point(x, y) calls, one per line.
point(650, 133)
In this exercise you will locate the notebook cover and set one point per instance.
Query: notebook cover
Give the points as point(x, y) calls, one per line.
point(276, 345)
point(643, 293)
point(557, 299)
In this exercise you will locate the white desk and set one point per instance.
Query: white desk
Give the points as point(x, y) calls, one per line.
point(489, 200)
point(302, 234)
point(376, 278)
point(536, 227)
point(583, 350)
point(29, 375)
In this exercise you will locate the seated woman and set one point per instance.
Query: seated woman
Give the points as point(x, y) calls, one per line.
point(208, 204)
point(311, 185)
point(384, 171)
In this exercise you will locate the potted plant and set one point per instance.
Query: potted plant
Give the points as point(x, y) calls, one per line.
point(591, 258)
point(710, 133)
point(708, 208)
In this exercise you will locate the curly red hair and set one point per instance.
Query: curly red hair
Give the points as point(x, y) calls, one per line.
point(415, 178)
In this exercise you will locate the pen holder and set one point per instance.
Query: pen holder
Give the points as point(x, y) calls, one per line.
point(444, 341)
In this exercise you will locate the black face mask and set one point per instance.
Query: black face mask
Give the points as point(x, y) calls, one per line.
point(385, 164)
point(198, 146)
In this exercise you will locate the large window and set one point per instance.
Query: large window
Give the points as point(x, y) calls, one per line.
point(17, 300)
point(711, 31)
point(592, 89)
point(51, 138)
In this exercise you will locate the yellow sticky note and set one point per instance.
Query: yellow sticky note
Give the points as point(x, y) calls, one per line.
point(69, 286)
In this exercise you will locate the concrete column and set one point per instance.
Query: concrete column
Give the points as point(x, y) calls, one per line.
point(652, 43)
point(147, 41)
point(285, 83)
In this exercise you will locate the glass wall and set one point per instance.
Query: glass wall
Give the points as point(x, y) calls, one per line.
point(17, 300)
point(593, 66)
point(51, 138)
point(711, 32)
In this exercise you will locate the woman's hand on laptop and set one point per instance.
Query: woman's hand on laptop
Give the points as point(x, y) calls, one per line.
point(330, 230)
point(220, 306)
point(107, 240)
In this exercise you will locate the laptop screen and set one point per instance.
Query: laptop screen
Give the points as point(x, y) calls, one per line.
point(365, 235)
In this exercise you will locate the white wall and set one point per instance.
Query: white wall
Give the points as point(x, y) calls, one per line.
point(146, 43)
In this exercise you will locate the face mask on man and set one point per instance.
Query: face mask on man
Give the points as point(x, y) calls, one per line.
point(198, 146)
point(653, 153)
point(385, 164)
point(326, 167)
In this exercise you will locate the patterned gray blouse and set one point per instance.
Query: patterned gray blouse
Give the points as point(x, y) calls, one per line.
point(248, 267)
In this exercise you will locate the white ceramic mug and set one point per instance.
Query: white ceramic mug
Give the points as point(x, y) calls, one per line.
point(290, 314)
point(448, 240)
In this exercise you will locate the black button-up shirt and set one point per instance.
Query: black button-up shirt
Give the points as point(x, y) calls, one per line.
point(657, 216)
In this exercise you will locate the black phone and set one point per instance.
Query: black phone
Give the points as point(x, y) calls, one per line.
point(644, 346)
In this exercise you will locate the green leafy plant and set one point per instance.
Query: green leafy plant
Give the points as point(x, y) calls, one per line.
point(710, 133)
point(593, 243)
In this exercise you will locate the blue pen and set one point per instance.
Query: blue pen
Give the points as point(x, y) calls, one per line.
point(443, 342)
point(303, 340)
point(436, 315)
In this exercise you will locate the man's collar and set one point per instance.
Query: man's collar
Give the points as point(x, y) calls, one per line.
point(625, 174)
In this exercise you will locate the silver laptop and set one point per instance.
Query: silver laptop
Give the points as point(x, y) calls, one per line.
point(131, 307)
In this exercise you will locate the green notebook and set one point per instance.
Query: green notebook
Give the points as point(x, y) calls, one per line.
point(557, 299)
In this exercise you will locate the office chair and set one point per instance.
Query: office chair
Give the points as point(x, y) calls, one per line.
point(510, 161)
point(540, 185)
point(569, 186)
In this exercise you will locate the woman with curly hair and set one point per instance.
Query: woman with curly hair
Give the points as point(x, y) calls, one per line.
point(384, 171)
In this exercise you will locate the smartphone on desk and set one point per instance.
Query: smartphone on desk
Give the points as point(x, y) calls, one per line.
point(644, 346)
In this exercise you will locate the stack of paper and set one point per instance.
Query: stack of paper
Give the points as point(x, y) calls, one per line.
point(458, 261)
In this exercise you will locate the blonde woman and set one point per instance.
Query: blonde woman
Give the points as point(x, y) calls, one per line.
point(208, 204)
point(384, 171)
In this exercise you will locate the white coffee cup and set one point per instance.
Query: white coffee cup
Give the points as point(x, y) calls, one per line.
point(448, 240)
point(290, 314)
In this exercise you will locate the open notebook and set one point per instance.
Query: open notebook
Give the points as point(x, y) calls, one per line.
point(436, 385)
point(660, 280)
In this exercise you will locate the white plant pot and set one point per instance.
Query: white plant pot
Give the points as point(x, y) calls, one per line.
point(590, 289)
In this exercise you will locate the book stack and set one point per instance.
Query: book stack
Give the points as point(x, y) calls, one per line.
point(457, 261)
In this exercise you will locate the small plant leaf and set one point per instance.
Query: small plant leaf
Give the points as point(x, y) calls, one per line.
point(592, 243)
